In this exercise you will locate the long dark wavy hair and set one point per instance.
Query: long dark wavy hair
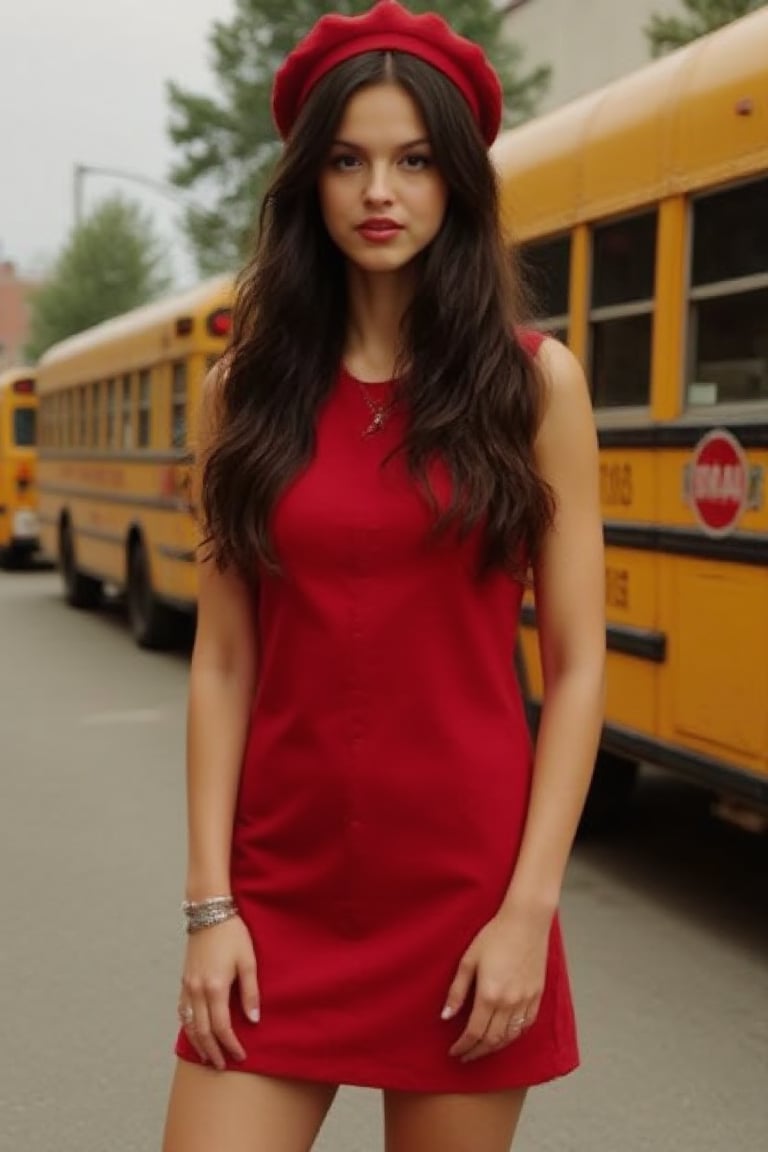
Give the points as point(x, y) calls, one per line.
point(473, 397)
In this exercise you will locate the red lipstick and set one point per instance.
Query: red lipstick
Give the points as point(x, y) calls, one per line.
point(379, 229)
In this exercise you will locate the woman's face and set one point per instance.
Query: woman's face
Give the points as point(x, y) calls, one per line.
point(382, 198)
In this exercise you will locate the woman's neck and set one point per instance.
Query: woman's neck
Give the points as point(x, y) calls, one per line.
point(376, 305)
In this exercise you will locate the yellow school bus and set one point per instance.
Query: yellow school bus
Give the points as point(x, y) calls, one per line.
point(118, 408)
point(18, 465)
point(642, 211)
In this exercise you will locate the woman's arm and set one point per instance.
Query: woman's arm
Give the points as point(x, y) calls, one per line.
point(507, 959)
point(221, 689)
point(570, 609)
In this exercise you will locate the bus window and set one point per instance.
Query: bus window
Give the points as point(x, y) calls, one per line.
point(95, 415)
point(547, 268)
point(69, 416)
point(44, 423)
point(53, 403)
point(179, 406)
point(728, 329)
point(621, 316)
point(145, 409)
point(82, 415)
point(126, 414)
point(24, 427)
point(111, 413)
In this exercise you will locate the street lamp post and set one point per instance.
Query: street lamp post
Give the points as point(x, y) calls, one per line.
point(80, 171)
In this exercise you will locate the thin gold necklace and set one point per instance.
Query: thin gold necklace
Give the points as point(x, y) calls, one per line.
point(379, 412)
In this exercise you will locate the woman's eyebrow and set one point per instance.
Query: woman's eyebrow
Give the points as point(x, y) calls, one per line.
point(400, 147)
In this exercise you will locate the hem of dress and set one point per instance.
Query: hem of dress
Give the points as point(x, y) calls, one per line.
point(289, 1066)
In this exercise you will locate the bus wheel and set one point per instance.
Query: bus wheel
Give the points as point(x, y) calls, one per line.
point(151, 622)
point(80, 591)
point(610, 792)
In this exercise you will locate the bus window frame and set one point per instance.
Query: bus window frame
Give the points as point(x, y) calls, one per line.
point(110, 413)
point(31, 411)
point(618, 413)
point(126, 438)
point(716, 290)
point(144, 408)
point(553, 325)
point(183, 367)
point(95, 415)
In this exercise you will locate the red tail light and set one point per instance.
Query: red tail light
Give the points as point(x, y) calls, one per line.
point(219, 323)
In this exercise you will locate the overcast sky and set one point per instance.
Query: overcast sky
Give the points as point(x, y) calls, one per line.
point(84, 81)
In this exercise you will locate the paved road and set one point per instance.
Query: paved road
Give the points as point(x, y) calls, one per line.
point(667, 926)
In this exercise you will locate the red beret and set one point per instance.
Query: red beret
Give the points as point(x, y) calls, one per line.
point(388, 27)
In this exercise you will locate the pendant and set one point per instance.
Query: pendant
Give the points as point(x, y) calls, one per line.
point(376, 424)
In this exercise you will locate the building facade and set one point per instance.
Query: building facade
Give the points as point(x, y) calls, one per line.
point(15, 293)
point(587, 43)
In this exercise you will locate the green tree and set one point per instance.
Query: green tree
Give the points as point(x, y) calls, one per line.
point(227, 142)
point(112, 262)
point(665, 33)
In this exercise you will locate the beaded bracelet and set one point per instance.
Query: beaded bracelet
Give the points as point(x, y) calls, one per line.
point(207, 913)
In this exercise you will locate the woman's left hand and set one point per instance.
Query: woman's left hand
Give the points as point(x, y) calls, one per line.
point(507, 961)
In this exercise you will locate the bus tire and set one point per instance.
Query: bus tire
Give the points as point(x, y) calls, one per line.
point(610, 793)
point(80, 591)
point(151, 622)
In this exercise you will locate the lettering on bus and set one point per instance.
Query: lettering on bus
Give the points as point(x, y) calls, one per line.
point(616, 485)
point(94, 475)
point(617, 588)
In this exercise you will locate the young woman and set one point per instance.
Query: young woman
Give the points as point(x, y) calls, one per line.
point(375, 852)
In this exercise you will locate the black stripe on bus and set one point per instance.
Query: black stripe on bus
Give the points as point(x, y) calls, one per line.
point(749, 435)
point(135, 456)
point(3, 509)
point(642, 643)
point(707, 771)
point(99, 534)
point(163, 503)
point(740, 548)
point(182, 554)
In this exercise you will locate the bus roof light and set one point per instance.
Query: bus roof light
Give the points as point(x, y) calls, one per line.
point(220, 322)
point(25, 387)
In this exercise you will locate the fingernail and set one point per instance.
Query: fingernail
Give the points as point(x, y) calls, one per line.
point(254, 1015)
point(446, 1013)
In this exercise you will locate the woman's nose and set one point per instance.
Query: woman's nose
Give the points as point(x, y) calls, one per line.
point(379, 188)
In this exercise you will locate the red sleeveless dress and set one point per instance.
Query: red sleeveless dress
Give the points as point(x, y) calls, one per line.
point(384, 785)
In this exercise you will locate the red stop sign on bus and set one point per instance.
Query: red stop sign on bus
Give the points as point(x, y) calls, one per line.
point(718, 482)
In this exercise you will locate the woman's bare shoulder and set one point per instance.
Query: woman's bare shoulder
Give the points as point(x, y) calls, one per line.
point(561, 373)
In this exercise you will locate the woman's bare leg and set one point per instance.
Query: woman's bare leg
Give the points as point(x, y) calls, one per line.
point(239, 1112)
point(481, 1122)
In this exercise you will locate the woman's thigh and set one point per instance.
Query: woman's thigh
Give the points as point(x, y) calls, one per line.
point(481, 1122)
point(238, 1112)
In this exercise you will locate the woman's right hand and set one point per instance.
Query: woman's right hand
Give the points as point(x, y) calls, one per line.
point(215, 958)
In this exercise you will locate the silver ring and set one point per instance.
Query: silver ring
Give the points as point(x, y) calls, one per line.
point(516, 1024)
point(186, 1015)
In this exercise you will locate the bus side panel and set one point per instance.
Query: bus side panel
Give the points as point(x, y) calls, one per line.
point(714, 689)
point(714, 686)
point(631, 685)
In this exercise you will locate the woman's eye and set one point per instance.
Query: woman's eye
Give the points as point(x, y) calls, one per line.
point(415, 162)
point(344, 163)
